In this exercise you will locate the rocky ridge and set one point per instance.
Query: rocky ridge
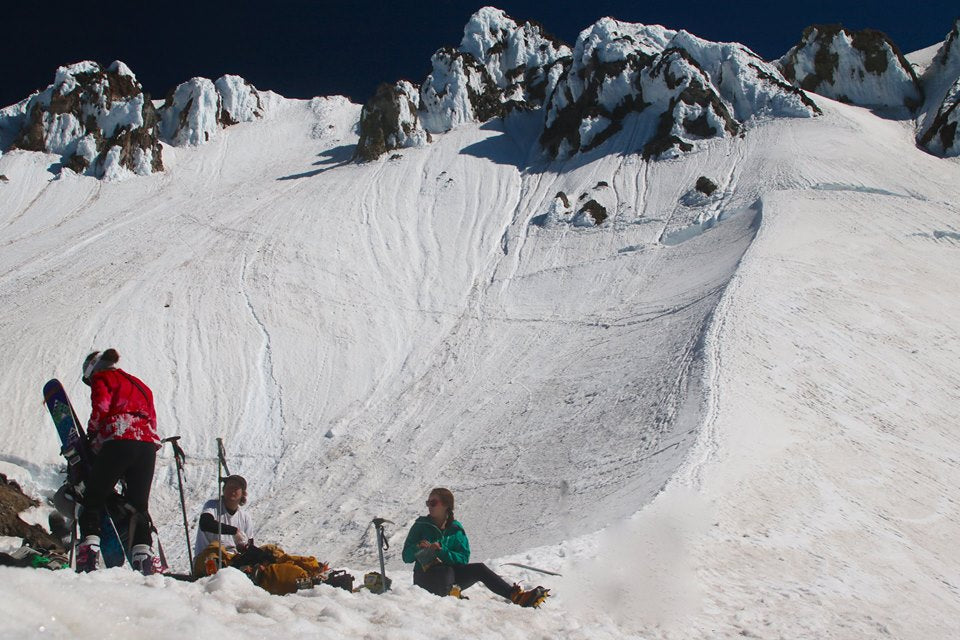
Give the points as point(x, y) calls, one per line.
point(684, 88)
point(939, 117)
point(859, 67)
point(101, 123)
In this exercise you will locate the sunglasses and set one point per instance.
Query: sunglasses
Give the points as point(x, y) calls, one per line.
point(432, 502)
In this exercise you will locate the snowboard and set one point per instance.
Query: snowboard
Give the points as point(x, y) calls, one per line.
point(79, 462)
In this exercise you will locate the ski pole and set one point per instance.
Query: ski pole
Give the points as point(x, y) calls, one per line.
point(221, 467)
point(180, 458)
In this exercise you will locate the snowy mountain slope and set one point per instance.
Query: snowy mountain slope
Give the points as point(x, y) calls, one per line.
point(425, 326)
point(813, 501)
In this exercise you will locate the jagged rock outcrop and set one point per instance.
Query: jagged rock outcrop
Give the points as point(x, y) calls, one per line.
point(98, 120)
point(939, 117)
point(678, 86)
point(191, 113)
point(458, 90)
point(523, 60)
point(240, 101)
point(390, 121)
point(500, 65)
point(859, 67)
point(102, 124)
point(197, 109)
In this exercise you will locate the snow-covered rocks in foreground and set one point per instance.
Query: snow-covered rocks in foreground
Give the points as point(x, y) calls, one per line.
point(96, 119)
point(940, 116)
point(860, 67)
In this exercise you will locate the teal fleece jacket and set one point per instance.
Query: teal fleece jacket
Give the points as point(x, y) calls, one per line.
point(454, 546)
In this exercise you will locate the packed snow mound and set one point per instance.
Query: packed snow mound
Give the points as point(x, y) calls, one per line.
point(524, 61)
point(198, 108)
point(937, 122)
point(96, 119)
point(390, 120)
point(859, 67)
point(681, 88)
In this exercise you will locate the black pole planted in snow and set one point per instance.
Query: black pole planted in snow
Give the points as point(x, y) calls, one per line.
point(180, 458)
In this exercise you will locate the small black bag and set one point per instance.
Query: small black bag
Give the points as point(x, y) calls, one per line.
point(341, 579)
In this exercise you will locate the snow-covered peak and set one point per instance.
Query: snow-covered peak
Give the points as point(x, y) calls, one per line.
point(519, 58)
point(940, 116)
point(611, 41)
point(97, 119)
point(860, 67)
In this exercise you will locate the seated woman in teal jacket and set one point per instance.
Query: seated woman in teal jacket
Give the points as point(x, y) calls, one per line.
point(440, 551)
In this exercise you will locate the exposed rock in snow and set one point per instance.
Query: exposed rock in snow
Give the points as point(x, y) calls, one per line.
point(683, 88)
point(939, 117)
point(524, 61)
point(98, 120)
point(860, 67)
point(390, 121)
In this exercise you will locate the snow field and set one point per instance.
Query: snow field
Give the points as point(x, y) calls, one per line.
point(544, 373)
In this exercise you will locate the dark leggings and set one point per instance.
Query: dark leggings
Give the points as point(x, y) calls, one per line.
point(132, 461)
point(438, 579)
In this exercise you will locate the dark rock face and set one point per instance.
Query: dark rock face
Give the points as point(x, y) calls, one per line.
point(12, 502)
point(596, 211)
point(937, 123)
point(97, 119)
point(389, 121)
point(861, 67)
point(705, 185)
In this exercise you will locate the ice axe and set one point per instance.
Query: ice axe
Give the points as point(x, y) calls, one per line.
point(382, 545)
point(180, 457)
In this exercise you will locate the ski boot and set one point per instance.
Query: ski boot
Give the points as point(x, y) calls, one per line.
point(530, 597)
point(88, 554)
point(145, 561)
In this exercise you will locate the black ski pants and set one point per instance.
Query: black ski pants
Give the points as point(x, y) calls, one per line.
point(439, 578)
point(133, 462)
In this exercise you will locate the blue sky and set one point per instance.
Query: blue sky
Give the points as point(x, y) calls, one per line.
point(302, 48)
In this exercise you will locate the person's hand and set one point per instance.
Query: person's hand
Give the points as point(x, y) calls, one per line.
point(435, 545)
point(240, 539)
point(423, 544)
